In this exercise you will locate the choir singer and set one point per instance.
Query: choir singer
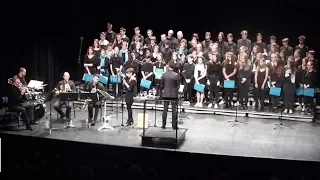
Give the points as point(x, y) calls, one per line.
point(170, 87)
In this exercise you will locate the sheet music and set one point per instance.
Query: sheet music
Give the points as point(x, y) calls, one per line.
point(35, 84)
point(105, 94)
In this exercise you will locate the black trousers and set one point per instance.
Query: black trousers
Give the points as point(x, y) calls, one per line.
point(96, 106)
point(188, 90)
point(129, 109)
point(308, 102)
point(57, 106)
point(243, 92)
point(259, 95)
point(289, 90)
point(174, 108)
point(26, 110)
point(157, 86)
point(214, 91)
point(228, 95)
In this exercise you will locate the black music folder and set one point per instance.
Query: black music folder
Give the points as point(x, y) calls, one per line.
point(68, 96)
point(87, 95)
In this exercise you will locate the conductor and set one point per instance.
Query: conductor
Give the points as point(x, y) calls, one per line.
point(170, 86)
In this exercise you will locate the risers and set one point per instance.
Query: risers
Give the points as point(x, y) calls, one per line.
point(297, 116)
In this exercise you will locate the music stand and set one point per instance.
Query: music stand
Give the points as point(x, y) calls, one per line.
point(49, 99)
point(67, 97)
point(105, 118)
point(90, 97)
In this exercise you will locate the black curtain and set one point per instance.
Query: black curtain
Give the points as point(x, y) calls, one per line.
point(44, 65)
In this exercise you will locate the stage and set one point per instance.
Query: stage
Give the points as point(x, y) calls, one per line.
point(207, 133)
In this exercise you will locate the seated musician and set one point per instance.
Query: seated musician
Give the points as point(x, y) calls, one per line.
point(96, 104)
point(62, 87)
point(17, 103)
point(21, 76)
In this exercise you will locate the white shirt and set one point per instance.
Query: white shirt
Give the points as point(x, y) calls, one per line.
point(293, 76)
point(201, 68)
point(103, 43)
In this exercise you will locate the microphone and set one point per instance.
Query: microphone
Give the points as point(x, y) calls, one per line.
point(81, 38)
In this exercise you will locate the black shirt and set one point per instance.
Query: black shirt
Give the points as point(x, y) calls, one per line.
point(131, 91)
point(310, 78)
point(303, 50)
point(111, 36)
point(245, 73)
point(231, 47)
point(118, 44)
point(261, 45)
point(15, 98)
point(99, 86)
point(177, 66)
point(214, 70)
point(188, 71)
point(167, 54)
point(132, 64)
point(147, 68)
point(288, 51)
point(22, 79)
point(246, 43)
point(229, 70)
point(274, 76)
point(93, 61)
point(126, 39)
point(116, 61)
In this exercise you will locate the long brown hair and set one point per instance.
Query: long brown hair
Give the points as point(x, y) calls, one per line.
point(90, 47)
point(279, 67)
point(227, 61)
point(261, 67)
point(292, 66)
point(247, 63)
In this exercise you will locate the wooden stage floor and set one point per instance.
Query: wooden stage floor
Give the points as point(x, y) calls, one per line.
point(207, 133)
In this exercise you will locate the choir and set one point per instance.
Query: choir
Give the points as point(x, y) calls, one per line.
point(215, 73)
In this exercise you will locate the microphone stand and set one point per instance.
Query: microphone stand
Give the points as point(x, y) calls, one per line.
point(235, 121)
point(50, 97)
point(79, 58)
point(280, 125)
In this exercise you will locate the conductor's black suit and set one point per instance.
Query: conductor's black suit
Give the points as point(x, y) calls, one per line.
point(170, 84)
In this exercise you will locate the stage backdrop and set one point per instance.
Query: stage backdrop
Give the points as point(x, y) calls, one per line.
point(45, 38)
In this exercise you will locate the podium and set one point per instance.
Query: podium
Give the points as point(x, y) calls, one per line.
point(68, 97)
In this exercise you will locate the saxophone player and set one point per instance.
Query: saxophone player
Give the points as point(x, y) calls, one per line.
point(62, 87)
point(92, 87)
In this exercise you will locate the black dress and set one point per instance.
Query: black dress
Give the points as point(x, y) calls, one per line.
point(93, 60)
point(131, 91)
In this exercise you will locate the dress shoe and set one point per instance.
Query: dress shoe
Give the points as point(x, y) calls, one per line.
point(129, 122)
point(28, 127)
point(163, 127)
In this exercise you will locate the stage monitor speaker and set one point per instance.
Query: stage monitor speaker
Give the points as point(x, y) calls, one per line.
point(140, 121)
